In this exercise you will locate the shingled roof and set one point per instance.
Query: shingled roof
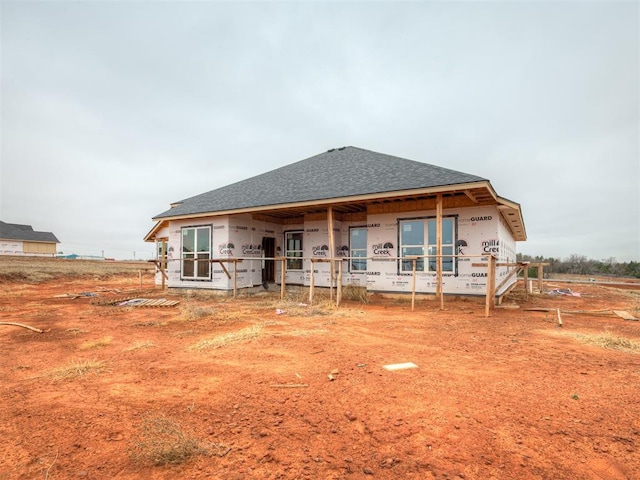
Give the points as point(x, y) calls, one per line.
point(337, 173)
point(14, 231)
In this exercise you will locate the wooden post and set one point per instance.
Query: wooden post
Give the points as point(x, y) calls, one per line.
point(282, 277)
point(491, 285)
point(526, 281)
point(439, 249)
point(339, 284)
point(332, 248)
point(235, 278)
point(540, 275)
point(413, 282)
point(311, 282)
point(163, 261)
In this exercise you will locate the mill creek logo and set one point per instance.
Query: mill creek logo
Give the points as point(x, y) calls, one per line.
point(383, 249)
point(491, 246)
point(253, 250)
point(460, 244)
point(343, 251)
point(320, 250)
point(226, 248)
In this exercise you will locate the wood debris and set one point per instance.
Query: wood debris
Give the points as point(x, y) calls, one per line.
point(624, 315)
point(289, 385)
point(399, 366)
point(137, 302)
point(23, 326)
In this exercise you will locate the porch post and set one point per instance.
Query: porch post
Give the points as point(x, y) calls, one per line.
point(413, 282)
point(283, 277)
point(491, 285)
point(332, 246)
point(339, 286)
point(311, 282)
point(439, 249)
point(540, 276)
point(163, 260)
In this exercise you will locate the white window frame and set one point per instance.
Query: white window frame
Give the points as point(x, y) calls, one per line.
point(357, 252)
point(449, 264)
point(200, 259)
point(294, 255)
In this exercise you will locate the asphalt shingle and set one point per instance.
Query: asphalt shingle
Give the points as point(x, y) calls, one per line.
point(341, 172)
point(14, 231)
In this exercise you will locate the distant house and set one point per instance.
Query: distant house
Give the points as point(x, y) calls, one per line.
point(18, 239)
point(369, 211)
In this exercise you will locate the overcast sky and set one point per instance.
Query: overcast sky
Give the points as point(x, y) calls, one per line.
point(111, 110)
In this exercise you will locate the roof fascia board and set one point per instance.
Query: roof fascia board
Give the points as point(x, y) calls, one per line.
point(28, 241)
point(504, 205)
point(150, 237)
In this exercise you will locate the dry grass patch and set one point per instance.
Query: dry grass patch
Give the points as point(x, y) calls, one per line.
point(140, 345)
point(77, 368)
point(40, 269)
point(75, 331)
point(609, 341)
point(162, 441)
point(356, 294)
point(190, 312)
point(101, 342)
point(250, 333)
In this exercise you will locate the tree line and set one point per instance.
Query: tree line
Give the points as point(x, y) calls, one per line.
point(581, 265)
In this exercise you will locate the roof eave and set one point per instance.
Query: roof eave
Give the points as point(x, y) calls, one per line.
point(512, 215)
point(334, 200)
point(151, 236)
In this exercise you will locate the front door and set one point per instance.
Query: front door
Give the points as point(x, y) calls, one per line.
point(268, 265)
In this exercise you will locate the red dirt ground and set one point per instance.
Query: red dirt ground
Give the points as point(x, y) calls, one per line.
point(513, 396)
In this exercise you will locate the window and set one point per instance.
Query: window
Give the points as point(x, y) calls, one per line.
point(412, 243)
point(163, 248)
point(196, 253)
point(293, 250)
point(358, 249)
point(447, 244)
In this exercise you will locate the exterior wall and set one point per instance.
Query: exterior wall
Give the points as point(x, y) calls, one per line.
point(506, 254)
point(33, 249)
point(316, 245)
point(479, 231)
point(237, 236)
point(39, 248)
point(246, 235)
point(11, 247)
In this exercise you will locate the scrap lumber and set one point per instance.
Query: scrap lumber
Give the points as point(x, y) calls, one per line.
point(571, 312)
point(399, 366)
point(137, 302)
point(624, 315)
point(23, 326)
point(289, 385)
